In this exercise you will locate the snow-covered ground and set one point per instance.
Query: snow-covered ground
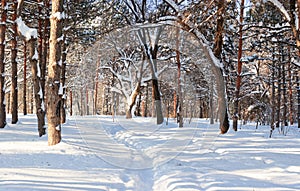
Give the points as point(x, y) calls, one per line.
point(99, 154)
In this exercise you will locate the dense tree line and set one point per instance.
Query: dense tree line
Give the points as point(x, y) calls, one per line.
point(228, 60)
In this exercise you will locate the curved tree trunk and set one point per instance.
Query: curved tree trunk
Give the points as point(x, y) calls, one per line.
point(132, 100)
point(220, 82)
point(2, 64)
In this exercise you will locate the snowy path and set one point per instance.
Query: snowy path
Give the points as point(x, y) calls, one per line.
point(98, 154)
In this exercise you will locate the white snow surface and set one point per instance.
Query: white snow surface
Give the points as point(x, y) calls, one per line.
point(26, 31)
point(99, 154)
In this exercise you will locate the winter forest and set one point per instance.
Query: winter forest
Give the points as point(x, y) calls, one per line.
point(125, 82)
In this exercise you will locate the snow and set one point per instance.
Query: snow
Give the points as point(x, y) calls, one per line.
point(26, 31)
point(173, 5)
point(99, 154)
point(61, 89)
point(58, 15)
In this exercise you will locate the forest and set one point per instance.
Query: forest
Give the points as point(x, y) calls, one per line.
point(231, 61)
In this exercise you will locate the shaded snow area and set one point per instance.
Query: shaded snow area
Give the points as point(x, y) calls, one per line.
point(98, 153)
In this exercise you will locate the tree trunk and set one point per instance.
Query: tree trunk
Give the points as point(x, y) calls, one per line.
point(273, 95)
point(278, 116)
point(284, 115)
point(14, 67)
point(239, 70)
point(38, 94)
point(180, 103)
point(63, 81)
point(45, 46)
point(211, 102)
point(220, 82)
point(54, 70)
point(298, 97)
point(25, 81)
point(87, 101)
point(2, 63)
point(132, 100)
point(71, 102)
point(151, 54)
point(96, 88)
point(290, 88)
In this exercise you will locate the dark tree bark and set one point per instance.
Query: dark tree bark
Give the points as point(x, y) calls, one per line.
point(2, 64)
point(54, 70)
point(278, 108)
point(290, 88)
point(25, 80)
point(45, 47)
point(63, 80)
point(273, 94)
point(298, 97)
point(14, 67)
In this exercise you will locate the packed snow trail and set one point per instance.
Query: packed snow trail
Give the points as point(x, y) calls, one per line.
point(199, 159)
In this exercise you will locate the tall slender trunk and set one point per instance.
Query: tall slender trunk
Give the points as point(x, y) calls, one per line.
point(63, 80)
point(175, 104)
point(290, 88)
point(38, 94)
point(180, 103)
point(284, 114)
point(96, 88)
point(14, 67)
point(273, 93)
point(45, 48)
point(278, 108)
point(211, 102)
point(298, 96)
point(71, 102)
point(2, 63)
point(25, 80)
point(54, 70)
point(239, 70)
point(87, 101)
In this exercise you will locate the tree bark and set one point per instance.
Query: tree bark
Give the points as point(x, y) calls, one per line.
point(71, 102)
point(25, 80)
point(151, 54)
point(63, 81)
point(273, 95)
point(180, 103)
point(45, 47)
point(290, 88)
point(2, 63)
point(14, 67)
point(38, 94)
point(132, 100)
point(96, 88)
point(239, 70)
point(220, 82)
point(54, 70)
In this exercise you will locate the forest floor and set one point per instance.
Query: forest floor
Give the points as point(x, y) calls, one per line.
point(97, 153)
